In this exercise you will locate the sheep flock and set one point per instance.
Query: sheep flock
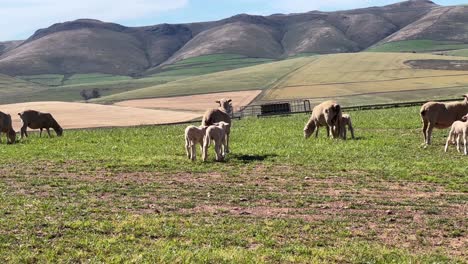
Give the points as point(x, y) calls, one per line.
point(216, 125)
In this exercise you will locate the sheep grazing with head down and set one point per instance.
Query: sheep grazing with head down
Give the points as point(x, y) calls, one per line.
point(222, 113)
point(38, 120)
point(193, 136)
point(217, 134)
point(7, 128)
point(458, 131)
point(326, 114)
point(441, 115)
point(346, 121)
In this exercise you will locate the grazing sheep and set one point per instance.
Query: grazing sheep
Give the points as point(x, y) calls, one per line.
point(34, 119)
point(193, 136)
point(346, 121)
point(441, 115)
point(326, 114)
point(458, 131)
point(217, 133)
point(7, 128)
point(222, 113)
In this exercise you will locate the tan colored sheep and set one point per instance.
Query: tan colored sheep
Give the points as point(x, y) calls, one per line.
point(7, 128)
point(326, 114)
point(217, 134)
point(441, 115)
point(458, 131)
point(38, 120)
point(193, 136)
point(346, 121)
point(222, 113)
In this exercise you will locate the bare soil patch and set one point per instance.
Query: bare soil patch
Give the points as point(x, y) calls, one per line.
point(85, 115)
point(195, 103)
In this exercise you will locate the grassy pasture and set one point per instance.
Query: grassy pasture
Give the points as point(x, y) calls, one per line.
point(130, 195)
point(14, 88)
point(460, 53)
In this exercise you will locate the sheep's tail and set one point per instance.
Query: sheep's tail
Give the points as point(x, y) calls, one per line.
point(423, 112)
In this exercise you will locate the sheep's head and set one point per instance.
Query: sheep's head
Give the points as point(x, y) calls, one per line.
point(466, 98)
point(11, 136)
point(226, 104)
point(309, 129)
point(59, 130)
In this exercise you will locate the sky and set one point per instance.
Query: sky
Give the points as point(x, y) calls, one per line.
point(19, 19)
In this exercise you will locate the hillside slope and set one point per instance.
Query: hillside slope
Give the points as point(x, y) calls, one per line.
point(91, 46)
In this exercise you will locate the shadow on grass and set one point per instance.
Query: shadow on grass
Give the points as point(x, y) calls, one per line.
point(251, 158)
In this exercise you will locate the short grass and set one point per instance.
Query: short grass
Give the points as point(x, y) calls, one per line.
point(15, 88)
point(460, 53)
point(418, 46)
point(44, 79)
point(130, 195)
point(366, 74)
point(93, 78)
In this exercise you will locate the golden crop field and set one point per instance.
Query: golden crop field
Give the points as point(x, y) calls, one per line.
point(364, 73)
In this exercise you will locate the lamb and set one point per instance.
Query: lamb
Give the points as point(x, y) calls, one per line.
point(459, 130)
point(216, 133)
point(35, 119)
point(346, 121)
point(7, 128)
point(193, 136)
point(326, 114)
point(441, 115)
point(222, 113)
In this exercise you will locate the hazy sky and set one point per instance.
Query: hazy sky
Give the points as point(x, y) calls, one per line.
point(20, 18)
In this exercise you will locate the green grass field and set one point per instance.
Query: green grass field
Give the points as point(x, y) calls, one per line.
point(460, 53)
point(418, 46)
point(130, 195)
point(14, 89)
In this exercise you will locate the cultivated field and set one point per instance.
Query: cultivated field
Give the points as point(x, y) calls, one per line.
point(364, 73)
point(82, 115)
point(195, 103)
point(130, 195)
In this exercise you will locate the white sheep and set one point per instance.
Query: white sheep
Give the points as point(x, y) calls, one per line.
point(222, 113)
point(441, 115)
point(216, 133)
point(193, 136)
point(458, 131)
point(326, 114)
point(346, 121)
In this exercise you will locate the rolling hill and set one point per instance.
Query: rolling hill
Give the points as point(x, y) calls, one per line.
point(89, 46)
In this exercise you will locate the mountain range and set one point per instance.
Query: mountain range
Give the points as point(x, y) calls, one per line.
point(92, 46)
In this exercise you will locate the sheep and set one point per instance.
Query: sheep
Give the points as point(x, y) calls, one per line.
point(217, 133)
point(441, 115)
point(326, 114)
point(7, 128)
point(459, 130)
point(346, 121)
point(35, 119)
point(222, 113)
point(193, 136)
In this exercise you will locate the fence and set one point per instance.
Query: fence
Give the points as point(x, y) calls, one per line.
point(277, 108)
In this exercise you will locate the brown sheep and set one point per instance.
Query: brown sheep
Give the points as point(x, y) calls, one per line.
point(7, 128)
point(37, 120)
point(222, 113)
point(441, 115)
point(326, 114)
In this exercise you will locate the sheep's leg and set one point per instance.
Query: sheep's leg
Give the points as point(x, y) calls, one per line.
point(316, 131)
point(448, 140)
point(23, 131)
point(328, 131)
point(48, 131)
point(465, 139)
point(206, 144)
point(458, 142)
point(40, 133)
point(226, 143)
point(429, 133)
point(193, 152)
point(351, 129)
point(424, 130)
point(344, 133)
point(217, 146)
point(187, 147)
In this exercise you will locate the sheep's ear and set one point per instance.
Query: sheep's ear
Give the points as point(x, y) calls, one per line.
point(217, 101)
point(229, 100)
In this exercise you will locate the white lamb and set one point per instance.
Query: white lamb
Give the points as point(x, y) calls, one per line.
point(216, 133)
point(458, 131)
point(193, 136)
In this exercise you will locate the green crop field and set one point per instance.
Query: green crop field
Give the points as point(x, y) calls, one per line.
point(461, 53)
point(131, 195)
point(418, 46)
point(16, 89)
